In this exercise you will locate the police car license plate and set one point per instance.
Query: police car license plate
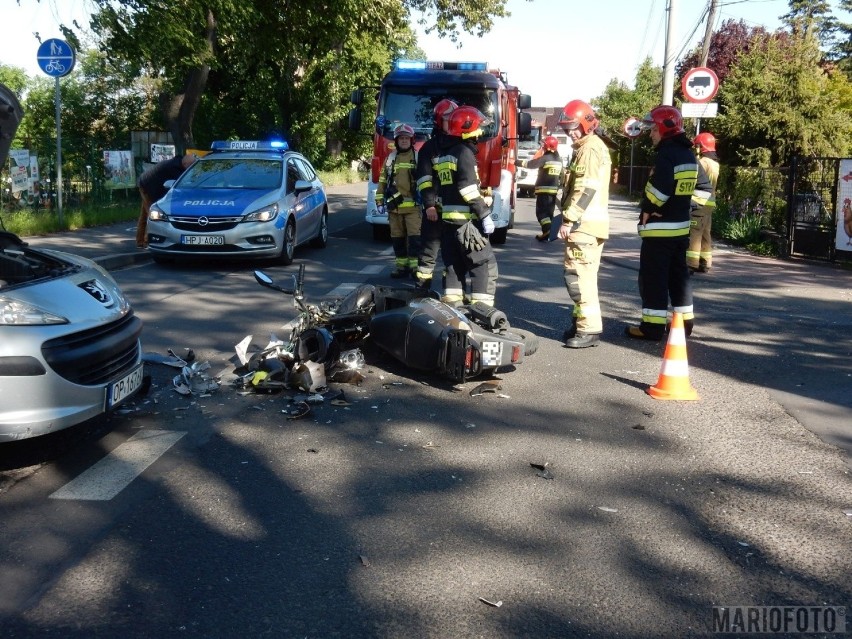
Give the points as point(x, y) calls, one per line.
point(203, 240)
point(118, 391)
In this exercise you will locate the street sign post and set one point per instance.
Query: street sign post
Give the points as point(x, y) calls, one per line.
point(56, 58)
point(700, 84)
point(632, 129)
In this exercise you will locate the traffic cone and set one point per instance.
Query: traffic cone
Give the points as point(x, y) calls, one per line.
point(674, 373)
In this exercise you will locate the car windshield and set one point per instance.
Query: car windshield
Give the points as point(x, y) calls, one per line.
point(232, 173)
point(414, 105)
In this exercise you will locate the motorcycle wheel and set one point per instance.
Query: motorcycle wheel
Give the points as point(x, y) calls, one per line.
point(530, 340)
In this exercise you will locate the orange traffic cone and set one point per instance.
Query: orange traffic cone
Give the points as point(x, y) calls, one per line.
point(674, 374)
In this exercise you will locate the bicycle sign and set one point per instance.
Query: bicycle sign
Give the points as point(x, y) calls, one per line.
point(56, 57)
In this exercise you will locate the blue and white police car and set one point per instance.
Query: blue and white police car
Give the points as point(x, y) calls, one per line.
point(243, 199)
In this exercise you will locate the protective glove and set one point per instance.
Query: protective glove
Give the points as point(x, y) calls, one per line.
point(470, 237)
point(487, 225)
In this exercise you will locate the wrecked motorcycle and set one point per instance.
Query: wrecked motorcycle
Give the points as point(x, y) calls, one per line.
point(414, 327)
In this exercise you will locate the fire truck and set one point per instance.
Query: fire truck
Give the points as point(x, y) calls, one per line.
point(409, 93)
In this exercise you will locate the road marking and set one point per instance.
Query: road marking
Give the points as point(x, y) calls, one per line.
point(113, 473)
point(342, 289)
point(373, 269)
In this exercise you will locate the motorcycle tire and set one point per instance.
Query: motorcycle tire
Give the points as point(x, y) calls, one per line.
point(530, 340)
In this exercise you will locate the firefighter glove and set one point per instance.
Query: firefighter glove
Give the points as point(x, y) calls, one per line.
point(487, 225)
point(470, 237)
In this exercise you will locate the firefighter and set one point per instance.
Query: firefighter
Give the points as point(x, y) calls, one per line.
point(549, 165)
point(664, 225)
point(699, 255)
point(585, 224)
point(395, 194)
point(465, 217)
point(431, 223)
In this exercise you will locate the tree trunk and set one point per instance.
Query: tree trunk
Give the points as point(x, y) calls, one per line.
point(179, 110)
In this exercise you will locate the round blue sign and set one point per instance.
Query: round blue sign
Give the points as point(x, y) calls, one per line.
point(56, 57)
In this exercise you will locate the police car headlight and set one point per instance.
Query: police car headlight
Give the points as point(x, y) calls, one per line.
point(265, 214)
point(156, 213)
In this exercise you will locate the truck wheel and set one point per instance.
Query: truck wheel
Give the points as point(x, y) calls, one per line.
point(530, 340)
point(499, 235)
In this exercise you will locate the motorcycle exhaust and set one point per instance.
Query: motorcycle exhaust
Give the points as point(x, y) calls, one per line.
point(488, 316)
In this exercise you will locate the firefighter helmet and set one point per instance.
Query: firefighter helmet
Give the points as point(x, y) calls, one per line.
point(442, 110)
point(578, 114)
point(551, 143)
point(667, 119)
point(402, 129)
point(465, 122)
point(706, 142)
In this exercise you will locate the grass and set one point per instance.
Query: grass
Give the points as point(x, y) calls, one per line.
point(28, 222)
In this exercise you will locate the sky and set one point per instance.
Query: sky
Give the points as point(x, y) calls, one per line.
point(543, 48)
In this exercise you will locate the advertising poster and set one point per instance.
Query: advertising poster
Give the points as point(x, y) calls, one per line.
point(19, 169)
point(35, 176)
point(160, 152)
point(843, 237)
point(118, 169)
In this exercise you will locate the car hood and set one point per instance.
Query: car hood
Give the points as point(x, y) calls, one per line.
point(67, 285)
point(215, 202)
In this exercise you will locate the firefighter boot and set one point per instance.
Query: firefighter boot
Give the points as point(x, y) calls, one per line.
point(571, 331)
point(643, 332)
point(583, 340)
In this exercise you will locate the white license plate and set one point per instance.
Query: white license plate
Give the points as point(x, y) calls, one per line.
point(118, 391)
point(203, 240)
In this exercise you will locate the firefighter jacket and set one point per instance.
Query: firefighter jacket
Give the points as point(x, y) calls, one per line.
point(396, 184)
point(585, 198)
point(452, 184)
point(549, 166)
point(425, 184)
point(668, 193)
point(709, 164)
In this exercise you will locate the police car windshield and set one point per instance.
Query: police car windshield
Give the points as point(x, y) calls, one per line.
point(231, 173)
point(412, 106)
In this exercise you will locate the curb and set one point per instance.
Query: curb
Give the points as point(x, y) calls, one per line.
point(120, 260)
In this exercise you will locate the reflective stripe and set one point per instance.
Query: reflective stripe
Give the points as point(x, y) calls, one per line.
point(654, 316)
point(664, 229)
point(546, 189)
point(469, 193)
point(656, 196)
point(424, 182)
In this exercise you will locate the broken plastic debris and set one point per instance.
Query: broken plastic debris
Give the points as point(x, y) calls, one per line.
point(486, 387)
point(349, 376)
point(188, 358)
point(364, 560)
point(156, 358)
point(298, 410)
point(638, 427)
point(743, 544)
point(543, 471)
point(312, 450)
point(607, 509)
point(495, 604)
point(429, 445)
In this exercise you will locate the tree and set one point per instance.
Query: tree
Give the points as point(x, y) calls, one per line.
point(778, 100)
point(727, 44)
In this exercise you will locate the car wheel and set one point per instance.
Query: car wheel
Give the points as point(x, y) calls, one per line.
point(321, 239)
point(381, 233)
point(530, 340)
point(499, 235)
point(289, 247)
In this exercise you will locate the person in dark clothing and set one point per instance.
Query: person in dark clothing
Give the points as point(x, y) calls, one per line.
point(465, 217)
point(549, 165)
point(430, 230)
point(152, 187)
point(664, 225)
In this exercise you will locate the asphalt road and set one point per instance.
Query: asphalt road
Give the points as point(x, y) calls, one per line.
point(397, 515)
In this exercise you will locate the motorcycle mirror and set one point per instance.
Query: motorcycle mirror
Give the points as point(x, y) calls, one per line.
point(263, 278)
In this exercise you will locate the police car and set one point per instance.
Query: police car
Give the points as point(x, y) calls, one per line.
point(243, 199)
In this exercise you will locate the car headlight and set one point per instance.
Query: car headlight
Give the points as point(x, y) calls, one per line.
point(265, 214)
point(15, 313)
point(158, 214)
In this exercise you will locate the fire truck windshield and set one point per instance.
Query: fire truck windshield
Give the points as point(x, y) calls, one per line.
point(413, 105)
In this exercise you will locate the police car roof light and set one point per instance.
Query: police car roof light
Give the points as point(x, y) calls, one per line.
point(420, 65)
point(249, 145)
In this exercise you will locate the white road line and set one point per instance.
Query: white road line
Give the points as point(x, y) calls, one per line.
point(342, 289)
point(113, 473)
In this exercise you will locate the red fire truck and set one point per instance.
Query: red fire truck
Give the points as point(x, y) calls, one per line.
point(408, 94)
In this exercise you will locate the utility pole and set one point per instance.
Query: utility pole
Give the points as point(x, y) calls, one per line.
point(668, 61)
point(708, 32)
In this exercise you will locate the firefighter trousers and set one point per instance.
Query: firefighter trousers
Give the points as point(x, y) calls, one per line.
point(699, 255)
point(460, 264)
point(405, 237)
point(545, 204)
point(663, 277)
point(582, 262)
point(430, 245)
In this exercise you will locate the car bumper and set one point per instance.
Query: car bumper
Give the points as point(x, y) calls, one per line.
point(244, 240)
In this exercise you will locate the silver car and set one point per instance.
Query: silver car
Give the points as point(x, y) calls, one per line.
point(243, 199)
point(69, 341)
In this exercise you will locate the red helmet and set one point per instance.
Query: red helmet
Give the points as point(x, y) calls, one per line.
point(442, 110)
point(706, 142)
point(402, 129)
point(551, 143)
point(578, 114)
point(668, 120)
point(464, 123)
